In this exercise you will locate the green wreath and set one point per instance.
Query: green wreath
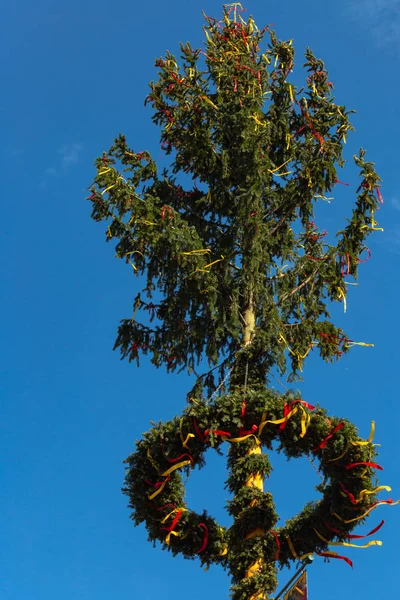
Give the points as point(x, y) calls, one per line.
point(253, 547)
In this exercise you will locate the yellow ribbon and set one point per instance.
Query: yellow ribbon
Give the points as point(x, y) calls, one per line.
point(280, 167)
point(213, 263)
point(173, 512)
point(375, 491)
point(305, 421)
point(292, 550)
point(340, 456)
point(372, 543)
point(134, 267)
point(291, 92)
point(241, 439)
point(257, 531)
point(254, 567)
point(257, 121)
point(278, 421)
point(201, 252)
point(366, 513)
point(256, 479)
point(108, 188)
point(350, 344)
point(210, 41)
point(175, 467)
point(104, 171)
point(370, 439)
point(209, 102)
point(168, 538)
point(372, 227)
point(343, 295)
point(158, 491)
point(187, 438)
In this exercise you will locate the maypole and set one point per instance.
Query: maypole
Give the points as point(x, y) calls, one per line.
point(238, 272)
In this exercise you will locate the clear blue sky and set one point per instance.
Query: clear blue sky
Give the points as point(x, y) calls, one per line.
point(74, 74)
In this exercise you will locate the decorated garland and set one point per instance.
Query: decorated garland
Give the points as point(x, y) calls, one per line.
point(253, 547)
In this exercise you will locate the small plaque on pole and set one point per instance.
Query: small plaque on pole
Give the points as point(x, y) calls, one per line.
point(299, 590)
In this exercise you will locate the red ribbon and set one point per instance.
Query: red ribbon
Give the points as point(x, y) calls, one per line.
point(216, 432)
point(174, 460)
point(205, 539)
point(378, 191)
point(278, 544)
point(330, 555)
point(174, 522)
point(197, 430)
point(350, 536)
point(164, 210)
point(157, 485)
point(348, 494)
point(365, 464)
point(368, 257)
point(170, 505)
point(288, 407)
point(342, 182)
point(328, 437)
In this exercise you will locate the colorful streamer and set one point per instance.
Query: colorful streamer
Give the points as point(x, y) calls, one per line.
point(372, 543)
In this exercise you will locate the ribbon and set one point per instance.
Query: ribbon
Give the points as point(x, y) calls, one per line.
point(328, 437)
point(204, 269)
point(343, 295)
point(217, 432)
point(201, 252)
point(254, 567)
point(174, 460)
point(367, 492)
point(278, 544)
point(108, 188)
point(205, 539)
point(197, 430)
point(389, 502)
point(352, 536)
point(258, 531)
point(278, 421)
point(255, 480)
point(166, 506)
point(372, 543)
point(292, 550)
point(168, 538)
point(350, 344)
point(334, 554)
point(340, 456)
point(189, 435)
point(363, 493)
point(160, 486)
point(305, 421)
point(366, 464)
point(370, 439)
point(175, 467)
point(209, 102)
point(179, 511)
point(242, 438)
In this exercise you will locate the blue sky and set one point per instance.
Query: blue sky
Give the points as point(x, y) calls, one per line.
point(75, 74)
